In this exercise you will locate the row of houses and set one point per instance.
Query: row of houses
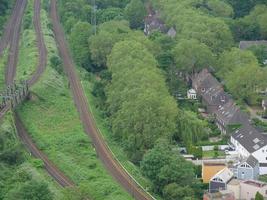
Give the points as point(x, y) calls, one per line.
point(239, 190)
point(247, 140)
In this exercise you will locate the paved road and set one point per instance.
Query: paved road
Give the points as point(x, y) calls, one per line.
point(86, 117)
point(13, 40)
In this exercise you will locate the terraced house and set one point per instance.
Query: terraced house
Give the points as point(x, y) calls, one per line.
point(247, 140)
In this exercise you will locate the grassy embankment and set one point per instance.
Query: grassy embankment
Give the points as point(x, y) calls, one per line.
point(12, 174)
point(53, 122)
point(28, 53)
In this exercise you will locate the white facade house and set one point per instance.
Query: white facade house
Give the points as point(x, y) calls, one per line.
point(230, 119)
point(191, 94)
point(251, 144)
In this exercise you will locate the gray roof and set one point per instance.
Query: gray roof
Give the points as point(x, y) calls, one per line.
point(246, 44)
point(226, 111)
point(229, 113)
point(252, 161)
point(250, 138)
point(225, 175)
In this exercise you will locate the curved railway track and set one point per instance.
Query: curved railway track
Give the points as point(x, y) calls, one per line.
point(11, 36)
point(89, 125)
point(8, 32)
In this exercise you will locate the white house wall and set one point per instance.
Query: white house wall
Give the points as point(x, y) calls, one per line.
point(239, 148)
point(261, 156)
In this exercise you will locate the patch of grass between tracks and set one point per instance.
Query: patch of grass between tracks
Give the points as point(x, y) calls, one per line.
point(28, 52)
point(53, 122)
point(3, 63)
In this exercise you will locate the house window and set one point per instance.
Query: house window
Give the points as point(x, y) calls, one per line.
point(266, 158)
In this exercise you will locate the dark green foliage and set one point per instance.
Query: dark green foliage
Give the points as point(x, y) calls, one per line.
point(164, 167)
point(56, 63)
point(79, 36)
point(108, 14)
point(135, 12)
point(141, 120)
point(173, 192)
point(260, 51)
point(31, 190)
point(259, 196)
point(243, 7)
point(12, 156)
point(111, 3)
point(5, 7)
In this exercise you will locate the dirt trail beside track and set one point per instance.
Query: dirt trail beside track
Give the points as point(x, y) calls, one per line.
point(86, 117)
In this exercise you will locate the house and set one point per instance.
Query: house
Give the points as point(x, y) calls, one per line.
point(221, 195)
point(246, 139)
point(191, 94)
point(234, 186)
point(249, 188)
point(250, 141)
point(248, 169)
point(209, 169)
point(220, 180)
point(153, 22)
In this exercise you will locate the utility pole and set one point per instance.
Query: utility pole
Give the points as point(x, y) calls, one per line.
point(93, 15)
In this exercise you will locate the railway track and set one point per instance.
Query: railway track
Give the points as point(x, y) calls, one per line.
point(86, 117)
point(14, 44)
point(13, 40)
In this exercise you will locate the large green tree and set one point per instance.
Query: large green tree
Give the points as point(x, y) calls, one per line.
point(164, 167)
point(141, 120)
point(191, 56)
point(230, 60)
point(108, 34)
point(79, 36)
point(135, 12)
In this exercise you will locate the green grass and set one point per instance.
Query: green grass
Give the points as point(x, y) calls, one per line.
point(8, 131)
point(211, 154)
point(28, 52)
point(53, 122)
point(3, 62)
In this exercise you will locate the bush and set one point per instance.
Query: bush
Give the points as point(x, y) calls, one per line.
point(56, 63)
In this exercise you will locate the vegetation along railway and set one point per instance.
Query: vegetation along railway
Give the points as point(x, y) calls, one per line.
point(11, 36)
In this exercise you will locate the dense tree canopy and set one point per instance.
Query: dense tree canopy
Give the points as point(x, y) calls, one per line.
point(230, 60)
point(169, 172)
point(135, 13)
point(79, 36)
point(108, 34)
point(191, 56)
point(151, 113)
point(193, 24)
